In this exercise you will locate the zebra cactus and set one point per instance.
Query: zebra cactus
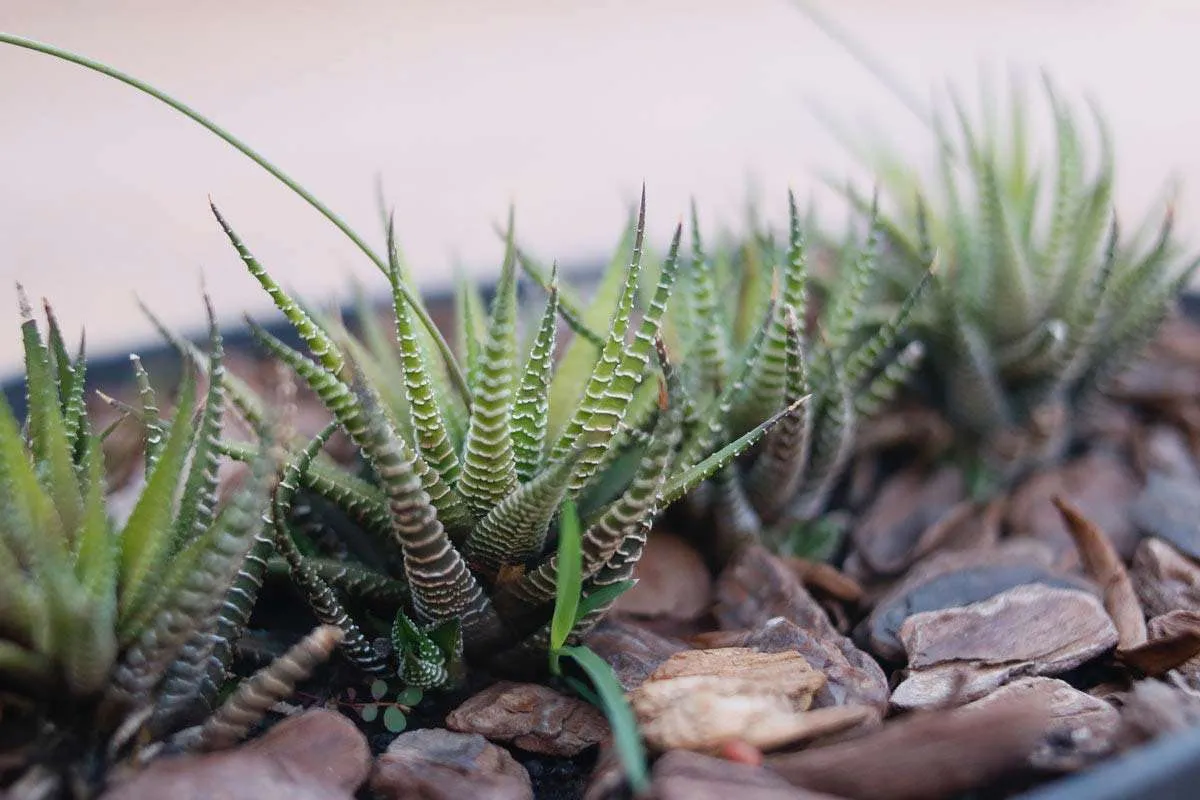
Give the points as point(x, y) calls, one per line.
point(464, 488)
point(1040, 300)
point(119, 635)
point(761, 359)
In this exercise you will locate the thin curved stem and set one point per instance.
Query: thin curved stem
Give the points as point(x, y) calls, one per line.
point(452, 367)
point(865, 59)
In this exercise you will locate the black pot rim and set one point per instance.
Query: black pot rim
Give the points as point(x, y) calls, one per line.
point(1166, 769)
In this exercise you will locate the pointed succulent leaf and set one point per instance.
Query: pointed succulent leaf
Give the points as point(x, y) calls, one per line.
point(688, 478)
point(531, 410)
point(880, 391)
point(341, 402)
point(629, 513)
point(96, 570)
point(610, 356)
point(248, 405)
point(1011, 286)
point(49, 442)
point(735, 522)
point(867, 358)
point(489, 471)
point(317, 340)
point(765, 392)
point(848, 301)
point(75, 404)
point(196, 507)
point(833, 442)
point(572, 311)
point(713, 328)
point(619, 394)
point(778, 470)
point(255, 696)
point(432, 434)
point(145, 539)
point(360, 584)
point(232, 619)
point(322, 600)
point(713, 425)
point(470, 329)
point(573, 370)
point(31, 527)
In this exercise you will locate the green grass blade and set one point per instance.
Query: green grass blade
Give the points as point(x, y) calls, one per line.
point(570, 580)
point(626, 738)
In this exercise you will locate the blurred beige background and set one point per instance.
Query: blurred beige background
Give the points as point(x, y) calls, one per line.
point(561, 107)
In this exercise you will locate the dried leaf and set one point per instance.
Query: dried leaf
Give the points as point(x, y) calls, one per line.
point(1174, 641)
point(1102, 564)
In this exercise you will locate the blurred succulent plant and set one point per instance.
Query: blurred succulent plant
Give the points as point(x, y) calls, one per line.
point(464, 489)
point(1039, 300)
point(111, 634)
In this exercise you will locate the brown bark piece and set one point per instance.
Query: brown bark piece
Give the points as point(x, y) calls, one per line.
point(888, 536)
point(534, 718)
point(1081, 729)
point(672, 581)
point(954, 579)
point(1164, 578)
point(680, 775)
point(437, 764)
point(761, 595)
point(960, 654)
point(317, 755)
point(1102, 483)
point(926, 756)
point(631, 650)
point(826, 578)
point(703, 699)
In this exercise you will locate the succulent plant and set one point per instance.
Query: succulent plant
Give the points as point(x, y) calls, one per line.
point(1039, 300)
point(116, 635)
point(766, 353)
point(463, 489)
